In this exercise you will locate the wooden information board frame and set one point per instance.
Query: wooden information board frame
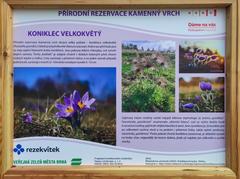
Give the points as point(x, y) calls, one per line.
point(8, 171)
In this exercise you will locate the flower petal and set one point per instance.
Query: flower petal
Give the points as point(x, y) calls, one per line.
point(60, 106)
point(61, 114)
point(202, 57)
point(58, 114)
point(202, 86)
point(197, 98)
point(213, 57)
point(188, 105)
point(90, 102)
point(76, 96)
point(209, 86)
point(67, 101)
point(85, 97)
point(75, 106)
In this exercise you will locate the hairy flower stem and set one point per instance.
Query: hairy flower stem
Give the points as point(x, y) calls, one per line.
point(208, 99)
point(196, 108)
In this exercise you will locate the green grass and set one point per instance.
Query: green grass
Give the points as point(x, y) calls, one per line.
point(126, 69)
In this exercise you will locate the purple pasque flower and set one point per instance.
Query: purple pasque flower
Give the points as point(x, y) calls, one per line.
point(200, 51)
point(188, 106)
point(66, 110)
point(205, 86)
point(188, 55)
point(202, 57)
point(83, 103)
point(27, 117)
point(197, 98)
point(213, 57)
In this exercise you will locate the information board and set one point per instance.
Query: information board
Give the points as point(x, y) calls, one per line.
point(119, 87)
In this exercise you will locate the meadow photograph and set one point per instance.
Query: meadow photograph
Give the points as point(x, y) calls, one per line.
point(77, 103)
point(202, 56)
point(201, 94)
point(148, 76)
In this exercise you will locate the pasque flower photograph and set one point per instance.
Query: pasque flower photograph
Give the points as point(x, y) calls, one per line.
point(148, 76)
point(202, 56)
point(201, 94)
point(75, 103)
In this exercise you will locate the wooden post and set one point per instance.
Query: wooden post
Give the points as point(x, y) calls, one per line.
point(6, 87)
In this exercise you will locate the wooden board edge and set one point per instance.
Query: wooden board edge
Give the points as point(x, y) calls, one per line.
point(6, 88)
point(6, 102)
point(1, 75)
point(117, 3)
point(238, 88)
point(231, 80)
point(90, 172)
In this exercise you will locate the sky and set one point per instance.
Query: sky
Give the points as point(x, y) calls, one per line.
point(163, 45)
point(102, 81)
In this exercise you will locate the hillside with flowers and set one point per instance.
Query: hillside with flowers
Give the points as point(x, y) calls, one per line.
point(148, 76)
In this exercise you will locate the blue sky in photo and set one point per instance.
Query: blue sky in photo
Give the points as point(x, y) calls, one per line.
point(163, 45)
point(102, 81)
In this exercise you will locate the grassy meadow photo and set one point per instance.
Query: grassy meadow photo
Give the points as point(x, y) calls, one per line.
point(202, 56)
point(77, 103)
point(201, 94)
point(148, 76)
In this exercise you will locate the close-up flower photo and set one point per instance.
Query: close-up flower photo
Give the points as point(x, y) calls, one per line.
point(201, 56)
point(75, 103)
point(201, 94)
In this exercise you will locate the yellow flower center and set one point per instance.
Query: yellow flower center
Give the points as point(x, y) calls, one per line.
point(69, 109)
point(81, 104)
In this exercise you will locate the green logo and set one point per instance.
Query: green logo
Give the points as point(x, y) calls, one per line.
point(76, 161)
